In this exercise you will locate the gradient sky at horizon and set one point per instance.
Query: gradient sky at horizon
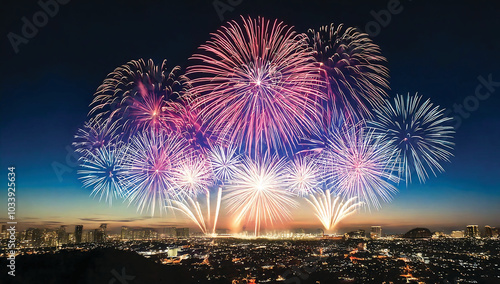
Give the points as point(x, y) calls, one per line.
point(436, 49)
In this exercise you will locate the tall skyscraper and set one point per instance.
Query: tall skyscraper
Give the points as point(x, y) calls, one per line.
point(488, 231)
point(472, 231)
point(34, 236)
point(376, 232)
point(78, 234)
point(125, 235)
point(4, 232)
point(62, 236)
point(101, 234)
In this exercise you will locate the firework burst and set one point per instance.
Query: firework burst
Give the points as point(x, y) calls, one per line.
point(94, 135)
point(330, 209)
point(150, 167)
point(186, 121)
point(419, 133)
point(259, 194)
point(352, 67)
point(103, 172)
point(303, 175)
point(137, 93)
point(257, 84)
point(358, 164)
point(194, 176)
point(224, 162)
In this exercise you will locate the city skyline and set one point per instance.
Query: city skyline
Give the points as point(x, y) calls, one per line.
point(466, 193)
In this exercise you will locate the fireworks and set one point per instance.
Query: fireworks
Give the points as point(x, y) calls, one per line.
point(303, 175)
point(137, 93)
point(224, 163)
point(193, 210)
point(258, 194)
point(193, 176)
point(150, 167)
point(102, 170)
point(352, 68)
point(419, 133)
point(187, 122)
point(330, 209)
point(256, 88)
point(257, 85)
point(358, 164)
point(94, 135)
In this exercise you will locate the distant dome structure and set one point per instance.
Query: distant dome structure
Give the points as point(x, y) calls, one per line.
point(418, 233)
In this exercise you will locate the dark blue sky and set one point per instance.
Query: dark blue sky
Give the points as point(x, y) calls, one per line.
point(436, 49)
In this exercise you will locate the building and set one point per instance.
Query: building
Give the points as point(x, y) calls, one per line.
point(418, 233)
point(34, 236)
point(78, 234)
point(457, 234)
point(100, 235)
point(489, 232)
point(182, 232)
point(62, 236)
point(359, 234)
point(125, 234)
point(169, 232)
point(4, 232)
point(472, 231)
point(172, 252)
point(103, 233)
point(376, 232)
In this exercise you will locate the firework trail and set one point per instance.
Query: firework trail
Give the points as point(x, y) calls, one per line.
point(137, 92)
point(358, 164)
point(94, 135)
point(303, 175)
point(103, 172)
point(419, 133)
point(150, 167)
point(352, 68)
point(224, 163)
point(330, 209)
point(257, 84)
point(194, 211)
point(259, 192)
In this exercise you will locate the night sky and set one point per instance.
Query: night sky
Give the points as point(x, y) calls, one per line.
point(438, 50)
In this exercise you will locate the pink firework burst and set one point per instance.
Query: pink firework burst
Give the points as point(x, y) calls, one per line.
point(96, 134)
point(137, 92)
point(352, 68)
point(357, 163)
point(257, 84)
point(186, 121)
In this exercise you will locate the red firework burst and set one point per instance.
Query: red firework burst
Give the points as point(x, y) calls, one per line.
point(257, 84)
